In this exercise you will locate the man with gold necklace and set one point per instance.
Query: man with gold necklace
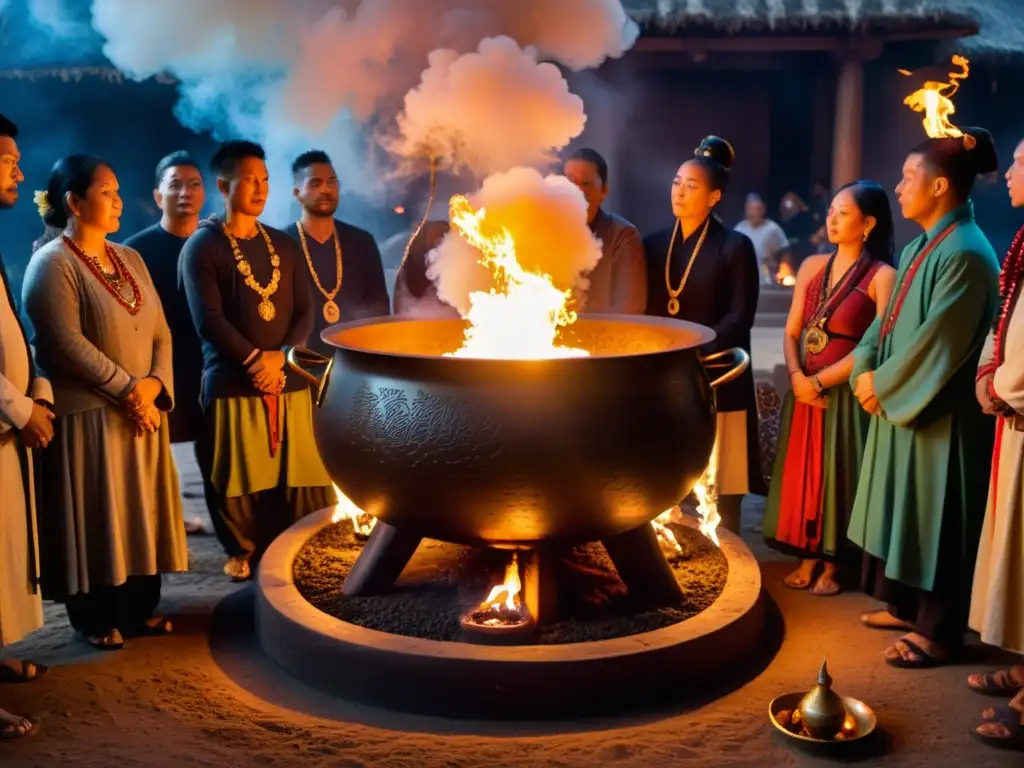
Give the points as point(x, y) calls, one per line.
point(343, 261)
point(250, 301)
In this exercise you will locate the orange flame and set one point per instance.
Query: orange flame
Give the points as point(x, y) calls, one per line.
point(707, 509)
point(935, 99)
point(785, 275)
point(362, 522)
point(507, 593)
point(519, 317)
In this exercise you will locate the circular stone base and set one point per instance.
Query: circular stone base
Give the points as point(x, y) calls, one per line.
point(451, 679)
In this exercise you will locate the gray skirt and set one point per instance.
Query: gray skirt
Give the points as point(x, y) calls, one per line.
point(110, 507)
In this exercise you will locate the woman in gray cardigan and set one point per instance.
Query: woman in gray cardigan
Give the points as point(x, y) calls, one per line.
point(110, 520)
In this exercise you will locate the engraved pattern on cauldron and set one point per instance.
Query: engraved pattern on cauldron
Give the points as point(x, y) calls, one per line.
point(439, 429)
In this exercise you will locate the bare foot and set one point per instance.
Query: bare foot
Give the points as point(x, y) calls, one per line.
point(827, 584)
point(15, 726)
point(998, 683)
point(237, 568)
point(884, 620)
point(914, 650)
point(802, 576)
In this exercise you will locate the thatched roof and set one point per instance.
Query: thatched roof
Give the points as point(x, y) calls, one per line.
point(1000, 23)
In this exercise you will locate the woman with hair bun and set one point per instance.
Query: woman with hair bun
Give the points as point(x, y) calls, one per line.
point(700, 271)
point(822, 427)
point(924, 479)
point(110, 520)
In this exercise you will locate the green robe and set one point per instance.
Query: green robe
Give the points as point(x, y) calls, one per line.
point(926, 459)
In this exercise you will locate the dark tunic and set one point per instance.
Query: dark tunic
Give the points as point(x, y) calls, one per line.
point(161, 251)
point(225, 310)
point(721, 293)
point(363, 291)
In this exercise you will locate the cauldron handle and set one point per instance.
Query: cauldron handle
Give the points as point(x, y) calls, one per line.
point(299, 357)
point(742, 362)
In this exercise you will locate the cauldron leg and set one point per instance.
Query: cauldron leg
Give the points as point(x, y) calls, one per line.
point(540, 587)
point(387, 552)
point(642, 566)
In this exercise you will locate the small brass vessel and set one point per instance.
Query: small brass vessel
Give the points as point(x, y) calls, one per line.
point(822, 709)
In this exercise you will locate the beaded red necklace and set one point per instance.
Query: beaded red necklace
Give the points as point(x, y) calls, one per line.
point(111, 282)
point(1009, 278)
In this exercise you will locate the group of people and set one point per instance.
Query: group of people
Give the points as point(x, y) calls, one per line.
point(892, 381)
point(90, 503)
point(901, 380)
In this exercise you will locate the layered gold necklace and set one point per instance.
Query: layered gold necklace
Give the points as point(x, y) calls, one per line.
point(266, 308)
point(673, 293)
point(331, 312)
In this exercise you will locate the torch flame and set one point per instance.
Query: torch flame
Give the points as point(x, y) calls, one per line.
point(506, 593)
point(707, 509)
point(935, 99)
point(362, 522)
point(519, 318)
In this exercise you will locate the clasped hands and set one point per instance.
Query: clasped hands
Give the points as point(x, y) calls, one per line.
point(805, 391)
point(140, 405)
point(864, 391)
point(989, 403)
point(267, 372)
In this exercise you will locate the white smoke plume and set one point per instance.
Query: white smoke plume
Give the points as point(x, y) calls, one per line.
point(330, 73)
point(547, 218)
point(489, 110)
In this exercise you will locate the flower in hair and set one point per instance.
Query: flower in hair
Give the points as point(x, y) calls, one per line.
point(42, 201)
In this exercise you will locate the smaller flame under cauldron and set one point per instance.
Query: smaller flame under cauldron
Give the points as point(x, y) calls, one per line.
point(502, 618)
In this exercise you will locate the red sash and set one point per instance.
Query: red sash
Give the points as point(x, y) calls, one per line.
point(893, 313)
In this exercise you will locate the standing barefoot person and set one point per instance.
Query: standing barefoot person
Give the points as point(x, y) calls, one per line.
point(997, 602)
point(111, 518)
point(25, 426)
point(821, 441)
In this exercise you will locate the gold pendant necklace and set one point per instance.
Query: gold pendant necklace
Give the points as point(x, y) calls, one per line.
point(673, 293)
point(331, 312)
point(266, 309)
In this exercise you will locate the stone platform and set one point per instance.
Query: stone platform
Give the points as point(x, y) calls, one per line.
point(455, 679)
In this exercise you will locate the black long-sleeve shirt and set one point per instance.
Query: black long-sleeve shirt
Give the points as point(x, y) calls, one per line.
point(363, 291)
point(721, 293)
point(225, 310)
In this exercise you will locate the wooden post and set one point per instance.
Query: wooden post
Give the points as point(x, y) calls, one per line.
point(848, 132)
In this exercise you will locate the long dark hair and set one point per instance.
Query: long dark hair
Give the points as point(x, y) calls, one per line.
point(872, 200)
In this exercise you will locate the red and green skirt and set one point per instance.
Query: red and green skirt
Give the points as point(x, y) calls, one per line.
point(815, 474)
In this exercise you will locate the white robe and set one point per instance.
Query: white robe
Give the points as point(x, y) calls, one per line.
point(997, 600)
point(21, 609)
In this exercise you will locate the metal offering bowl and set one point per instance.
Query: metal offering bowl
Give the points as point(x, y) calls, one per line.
point(861, 713)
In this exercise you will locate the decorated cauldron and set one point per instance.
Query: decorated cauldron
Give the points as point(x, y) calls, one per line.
point(494, 452)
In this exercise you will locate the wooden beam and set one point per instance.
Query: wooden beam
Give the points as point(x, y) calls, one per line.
point(848, 132)
point(734, 44)
point(795, 43)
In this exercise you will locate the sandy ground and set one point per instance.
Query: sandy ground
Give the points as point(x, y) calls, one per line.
point(207, 697)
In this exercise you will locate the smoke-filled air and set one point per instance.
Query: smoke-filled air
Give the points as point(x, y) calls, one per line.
point(331, 73)
point(382, 86)
point(488, 110)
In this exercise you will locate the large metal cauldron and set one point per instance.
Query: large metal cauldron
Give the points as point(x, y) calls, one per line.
point(513, 452)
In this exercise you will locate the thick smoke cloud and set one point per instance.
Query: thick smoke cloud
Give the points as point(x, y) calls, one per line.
point(489, 110)
point(331, 73)
point(547, 218)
